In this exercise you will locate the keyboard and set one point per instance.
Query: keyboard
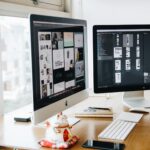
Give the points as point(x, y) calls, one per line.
point(117, 130)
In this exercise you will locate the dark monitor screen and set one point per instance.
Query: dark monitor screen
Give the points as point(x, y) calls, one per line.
point(57, 58)
point(121, 57)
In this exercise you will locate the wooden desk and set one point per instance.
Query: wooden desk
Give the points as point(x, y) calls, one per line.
point(26, 136)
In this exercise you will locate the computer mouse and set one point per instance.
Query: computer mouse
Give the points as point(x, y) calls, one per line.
point(139, 110)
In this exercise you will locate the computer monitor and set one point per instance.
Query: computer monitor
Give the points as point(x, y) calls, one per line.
point(58, 64)
point(122, 61)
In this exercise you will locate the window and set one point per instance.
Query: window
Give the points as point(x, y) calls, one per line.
point(16, 62)
point(15, 52)
point(50, 4)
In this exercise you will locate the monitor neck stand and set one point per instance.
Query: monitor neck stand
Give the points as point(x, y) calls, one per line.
point(135, 99)
point(107, 96)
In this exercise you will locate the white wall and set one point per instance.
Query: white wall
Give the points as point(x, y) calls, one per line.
point(112, 12)
point(1, 87)
point(77, 10)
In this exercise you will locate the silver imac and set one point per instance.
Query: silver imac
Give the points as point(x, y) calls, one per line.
point(59, 59)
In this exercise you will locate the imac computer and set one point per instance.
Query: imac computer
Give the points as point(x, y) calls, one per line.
point(58, 64)
point(122, 61)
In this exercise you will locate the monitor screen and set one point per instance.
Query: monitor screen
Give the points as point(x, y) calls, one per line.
point(58, 60)
point(121, 57)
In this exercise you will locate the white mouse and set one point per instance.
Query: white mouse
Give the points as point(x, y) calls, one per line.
point(139, 110)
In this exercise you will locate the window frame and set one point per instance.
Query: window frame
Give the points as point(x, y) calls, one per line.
point(48, 4)
point(17, 10)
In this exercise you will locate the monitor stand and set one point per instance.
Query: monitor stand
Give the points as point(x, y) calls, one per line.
point(135, 99)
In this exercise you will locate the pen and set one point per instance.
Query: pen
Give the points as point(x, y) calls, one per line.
point(102, 108)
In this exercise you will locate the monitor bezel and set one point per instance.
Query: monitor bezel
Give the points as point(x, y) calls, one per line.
point(33, 17)
point(95, 77)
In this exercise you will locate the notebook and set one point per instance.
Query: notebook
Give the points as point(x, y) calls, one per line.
point(95, 112)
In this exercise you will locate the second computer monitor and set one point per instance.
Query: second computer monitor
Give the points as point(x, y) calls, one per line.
point(121, 58)
point(121, 63)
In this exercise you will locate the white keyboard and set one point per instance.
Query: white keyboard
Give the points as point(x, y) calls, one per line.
point(117, 130)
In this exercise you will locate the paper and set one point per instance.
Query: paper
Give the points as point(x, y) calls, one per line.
point(118, 77)
point(128, 53)
point(137, 64)
point(71, 120)
point(69, 58)
point(117, 64)
point(68, 39)
point(57, 40)
point(58, 87)
point(137, 51)
point(58, 59)
point(117, 52)
point(127, 40)
point(128, 64)
point(45, 64)
point(78, 39)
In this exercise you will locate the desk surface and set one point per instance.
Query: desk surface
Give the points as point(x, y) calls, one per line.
point(26, 136)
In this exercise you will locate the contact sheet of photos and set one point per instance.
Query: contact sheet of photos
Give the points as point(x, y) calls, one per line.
point(122, 58)
point(127, 45)
point(61, 61)
point(45, 63)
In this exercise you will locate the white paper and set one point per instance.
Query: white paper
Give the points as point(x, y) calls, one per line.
point(78, 39)
point(59, 87)
point(69, 58)
point(117, 52)
point(71, 120)
point(138, 64)
point(45, 63)
point(138, 42)
point(58, 59)
point(118, 77)
point(117, 64)
point(118, 39)
point(70, 83)
point(137, 51)
point(127, 52)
